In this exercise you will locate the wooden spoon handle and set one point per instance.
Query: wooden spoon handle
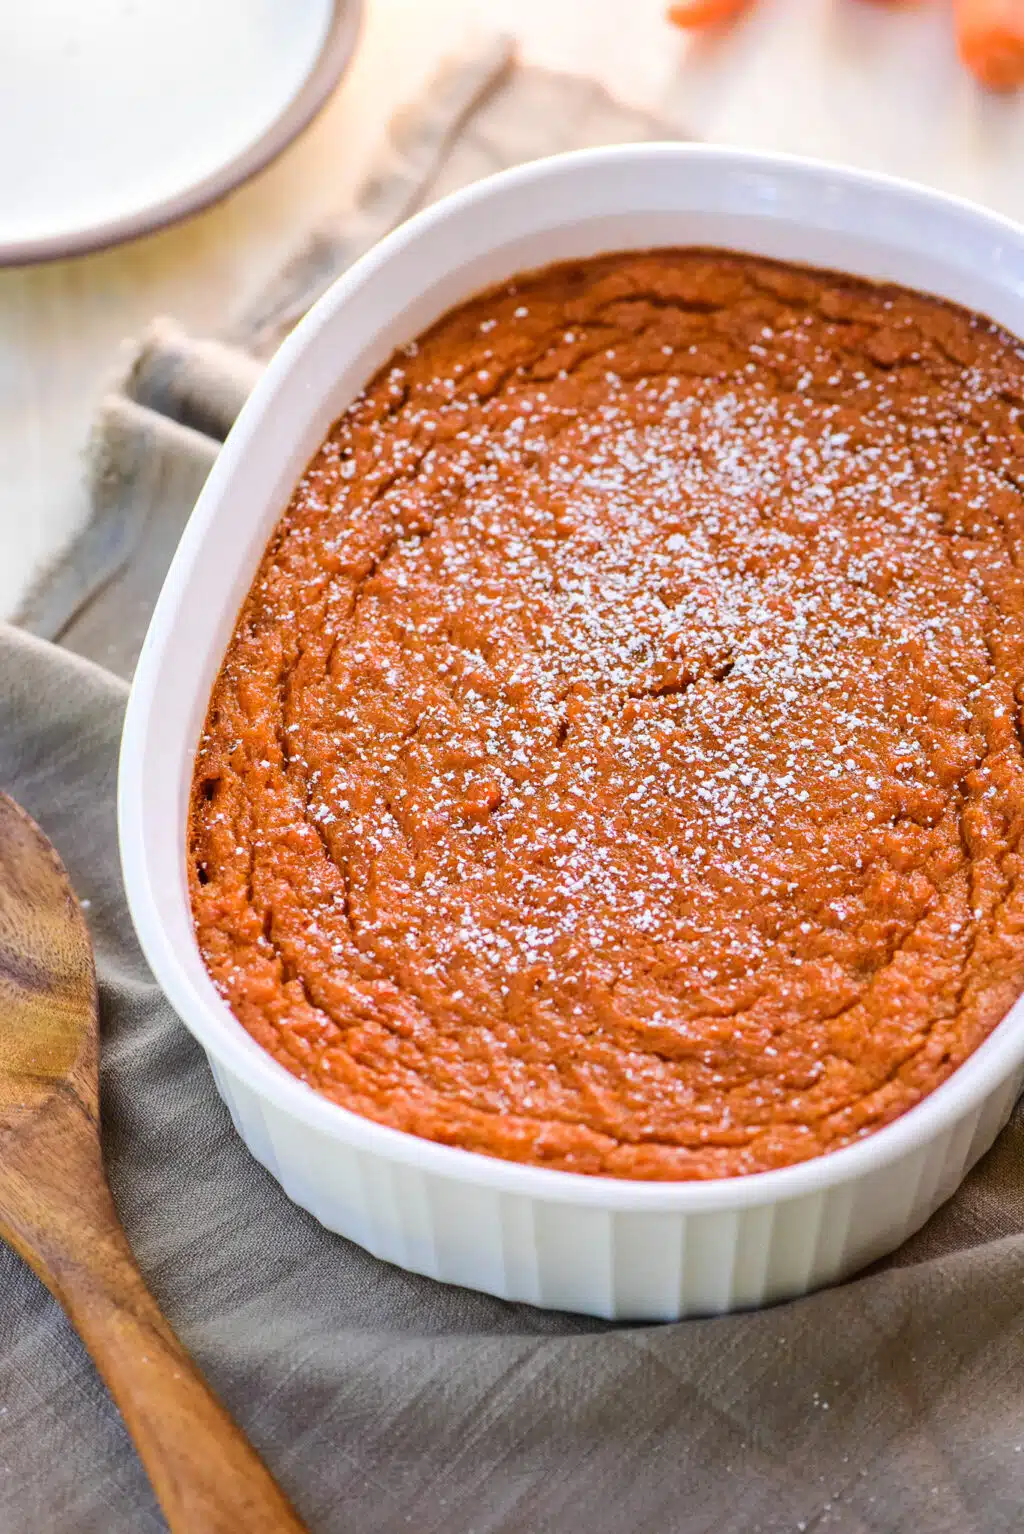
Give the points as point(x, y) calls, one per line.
point(206, 1475)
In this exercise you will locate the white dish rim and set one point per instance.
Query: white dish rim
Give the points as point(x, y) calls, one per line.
point(205, 1015)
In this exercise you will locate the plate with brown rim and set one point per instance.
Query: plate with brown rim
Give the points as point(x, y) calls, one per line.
point(122, 116)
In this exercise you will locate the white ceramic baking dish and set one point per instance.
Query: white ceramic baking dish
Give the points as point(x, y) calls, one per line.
point(607, 1247)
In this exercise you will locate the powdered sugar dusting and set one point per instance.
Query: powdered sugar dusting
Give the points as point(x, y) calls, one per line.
point(641, 661)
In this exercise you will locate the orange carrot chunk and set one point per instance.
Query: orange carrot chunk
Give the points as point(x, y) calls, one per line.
point(990, 37)
point(705, 13)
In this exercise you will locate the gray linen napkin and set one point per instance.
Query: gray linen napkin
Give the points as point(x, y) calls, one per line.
point(386, 1402)
point(382, 1401)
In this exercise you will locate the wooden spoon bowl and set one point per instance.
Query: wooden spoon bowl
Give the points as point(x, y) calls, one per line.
point(57, 1212)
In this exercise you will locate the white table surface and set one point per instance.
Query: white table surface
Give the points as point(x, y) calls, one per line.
point(844, 79)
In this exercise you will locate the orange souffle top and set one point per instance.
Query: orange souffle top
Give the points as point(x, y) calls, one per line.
point(618, 763)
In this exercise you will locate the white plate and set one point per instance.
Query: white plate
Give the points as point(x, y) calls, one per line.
point(610, 1247)
point(118, 116)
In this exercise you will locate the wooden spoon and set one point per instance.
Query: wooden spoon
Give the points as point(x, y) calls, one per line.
point(56, 1208)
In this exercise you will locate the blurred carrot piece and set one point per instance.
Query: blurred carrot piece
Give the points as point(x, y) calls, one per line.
point(705, 13)
point(990, 36)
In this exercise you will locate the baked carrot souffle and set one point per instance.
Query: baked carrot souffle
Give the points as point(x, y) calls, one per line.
point(618, 762)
